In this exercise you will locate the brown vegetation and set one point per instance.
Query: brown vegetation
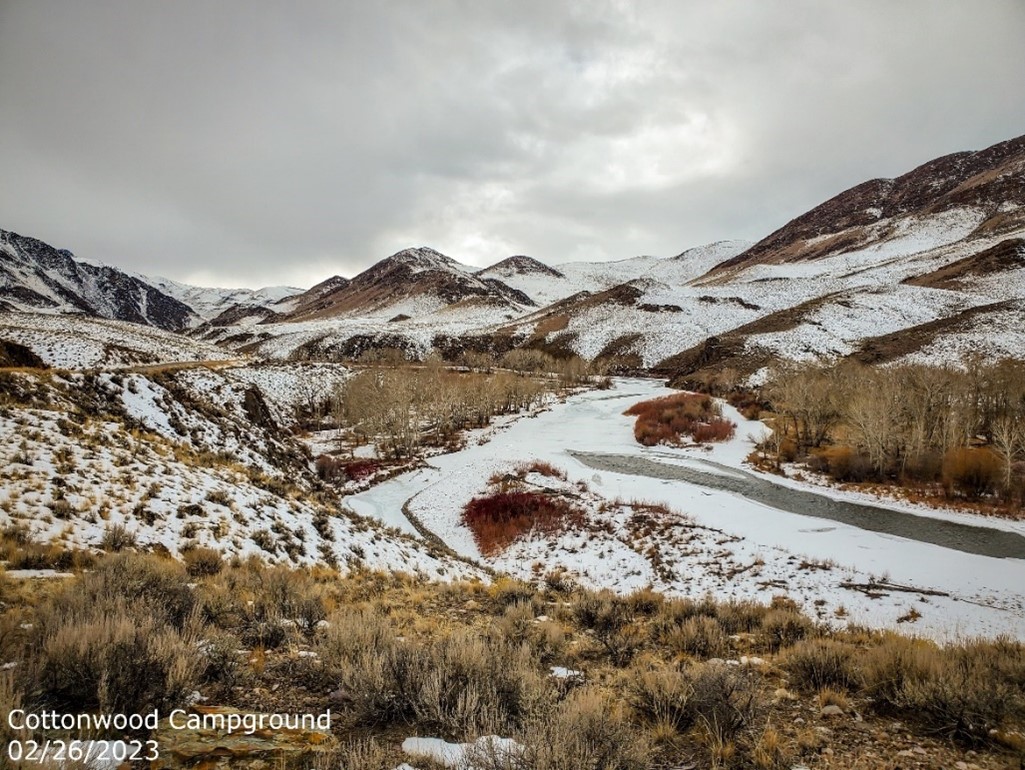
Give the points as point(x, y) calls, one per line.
point(959, 432)
point(660, 685)
point(402, 408)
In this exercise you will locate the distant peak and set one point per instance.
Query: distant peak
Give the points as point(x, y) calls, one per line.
point(521, 264)
point(421, 255)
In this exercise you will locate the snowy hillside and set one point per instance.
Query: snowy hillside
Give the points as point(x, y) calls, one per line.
point(80, 342)
point(922, 267)
point(179, 459)
point(208, 303)
point(35, 276)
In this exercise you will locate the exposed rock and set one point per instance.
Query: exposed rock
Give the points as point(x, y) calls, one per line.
point(256, 408)
point(280, 749)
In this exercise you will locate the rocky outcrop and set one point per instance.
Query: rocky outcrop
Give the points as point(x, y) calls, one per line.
point(282, 748)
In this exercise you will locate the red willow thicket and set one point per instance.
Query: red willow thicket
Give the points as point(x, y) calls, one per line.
point(668, 419)
point(498, 520)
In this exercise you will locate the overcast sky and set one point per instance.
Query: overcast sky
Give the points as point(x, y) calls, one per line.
point(253, 143)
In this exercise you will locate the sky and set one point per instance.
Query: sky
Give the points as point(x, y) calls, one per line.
point(278, 143)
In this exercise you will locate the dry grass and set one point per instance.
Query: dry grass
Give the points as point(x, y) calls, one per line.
point(403, 657)
point(817, 663)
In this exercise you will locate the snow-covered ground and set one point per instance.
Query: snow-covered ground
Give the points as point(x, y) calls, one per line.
point(722, 543)
point(79, 342)
point(179, 463)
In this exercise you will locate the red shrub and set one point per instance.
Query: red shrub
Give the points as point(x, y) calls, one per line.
point(664, 420)
point(716, 429)
point(500, 519)
point(358, 470)
point(330, 468)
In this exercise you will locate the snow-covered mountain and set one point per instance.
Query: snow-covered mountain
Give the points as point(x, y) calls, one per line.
point(208, 303)
point(412, 282)
point(35, 276)
point(925, 267)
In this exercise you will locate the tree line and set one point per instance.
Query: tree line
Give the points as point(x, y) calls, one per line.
point(964, 427)
point(401, 407)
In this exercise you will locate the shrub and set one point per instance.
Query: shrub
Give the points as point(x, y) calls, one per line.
point(10, 699)
point(665, 420)
point(500, 519)
point(508, 591)
point(725, 701)
point(264, 603)
point(817, 663)
point(327, 467)
point(699, 636)
point(645, 601)
point(971, 471)
point(155, 587)
point(609, 619)
point(62, 509)
point(747, 403)
point(357, 649)
point(357, 470)
point(965, 691)
point(660, 694)
point(218, 497)
point(784, 627)
point(541, 467)
point(846, 464)
point(715, 429)
point(117, 662)
point(586, 731)
point(516, 623)
point(737, 617)
point(458, 684)
point(201, 561)
point(466, 684)
point(602, 612)
point(37, 556)
point(221, 661)
point(117, 538)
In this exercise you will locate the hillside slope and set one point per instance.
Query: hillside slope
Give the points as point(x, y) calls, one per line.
point(179, 459)
point(34, 276)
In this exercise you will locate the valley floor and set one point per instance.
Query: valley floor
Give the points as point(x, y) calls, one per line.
point(713, 540)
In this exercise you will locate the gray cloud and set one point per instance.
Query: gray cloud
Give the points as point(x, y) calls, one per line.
point(267, 142)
